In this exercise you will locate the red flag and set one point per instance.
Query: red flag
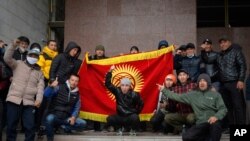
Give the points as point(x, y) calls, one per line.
point(144, 70)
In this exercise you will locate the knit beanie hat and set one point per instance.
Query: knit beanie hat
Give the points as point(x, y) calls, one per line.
point(206, 78)
point(100, 47)
point(162, 43)
point(125, 81)
point(182, 70)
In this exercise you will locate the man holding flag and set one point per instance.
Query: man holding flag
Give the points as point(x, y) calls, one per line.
point(128, 104)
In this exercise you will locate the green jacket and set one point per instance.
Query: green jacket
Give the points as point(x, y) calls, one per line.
point(205, 104)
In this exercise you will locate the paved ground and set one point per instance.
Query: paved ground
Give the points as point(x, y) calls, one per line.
point(111, 136)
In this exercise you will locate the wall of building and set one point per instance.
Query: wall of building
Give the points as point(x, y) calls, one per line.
point(23, 17)
point(120, 24)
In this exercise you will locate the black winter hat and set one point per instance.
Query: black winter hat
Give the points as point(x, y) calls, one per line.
point(134, 48)
point(162, 43)
point(224, 38)
point(206, 78)
point(182, 70)
point(35, 45)
point(207, 41)
point(190, 45)
point(182, 47)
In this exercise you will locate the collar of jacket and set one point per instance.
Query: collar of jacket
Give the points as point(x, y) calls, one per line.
point(227, 50)
point(69, 57)
point(129, 93)
point(51, 53)
point(18, 50)
point(68, 85)
point(203, 91)
point(35, 66)
point(95, 57)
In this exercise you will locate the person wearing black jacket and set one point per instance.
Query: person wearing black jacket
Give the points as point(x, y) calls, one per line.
point(191, 63)
point(209, 59)
point(99, 53)
point(66, 63)
point(180, 54)
point(232, 70)
point(128, 104)
point(64, 108)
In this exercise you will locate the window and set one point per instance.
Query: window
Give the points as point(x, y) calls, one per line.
point(223, 13)
point(56, 22)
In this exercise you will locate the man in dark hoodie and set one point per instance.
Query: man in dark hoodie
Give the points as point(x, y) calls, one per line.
point(66, 63)
point(208, 107)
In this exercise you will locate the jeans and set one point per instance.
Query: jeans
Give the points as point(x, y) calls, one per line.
point(3, 110)
point(203, 132)
point(157, 120)
point(42, 112)
point(53, 121)
point(14, 112)
point(216, 86)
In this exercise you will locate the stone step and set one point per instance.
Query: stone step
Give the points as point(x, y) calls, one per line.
point(112, 137)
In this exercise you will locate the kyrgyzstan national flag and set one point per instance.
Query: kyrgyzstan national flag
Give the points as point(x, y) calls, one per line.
point(145, 70)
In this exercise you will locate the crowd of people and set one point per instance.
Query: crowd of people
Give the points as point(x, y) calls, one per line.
point(39, 86)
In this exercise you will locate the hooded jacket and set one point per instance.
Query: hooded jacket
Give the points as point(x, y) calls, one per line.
point(63, 64)
point(45, 60)
point(126, 104)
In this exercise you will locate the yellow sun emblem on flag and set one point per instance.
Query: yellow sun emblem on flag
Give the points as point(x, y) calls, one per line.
point(130, 72)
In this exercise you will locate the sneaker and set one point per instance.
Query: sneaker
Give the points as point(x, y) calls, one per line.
point(111, 129)
point(132, 132)
point(41, 131)
point(226, 131)
point(120, 132)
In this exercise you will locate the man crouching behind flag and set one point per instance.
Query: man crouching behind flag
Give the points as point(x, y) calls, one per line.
point(128, 104)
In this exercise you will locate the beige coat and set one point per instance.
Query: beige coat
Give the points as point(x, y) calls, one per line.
point(27, 82)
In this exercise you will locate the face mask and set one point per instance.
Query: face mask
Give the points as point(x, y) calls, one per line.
point(22, 50)
point(31, 60)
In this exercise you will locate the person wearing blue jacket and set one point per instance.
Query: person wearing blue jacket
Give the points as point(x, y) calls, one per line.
point(64, 107)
